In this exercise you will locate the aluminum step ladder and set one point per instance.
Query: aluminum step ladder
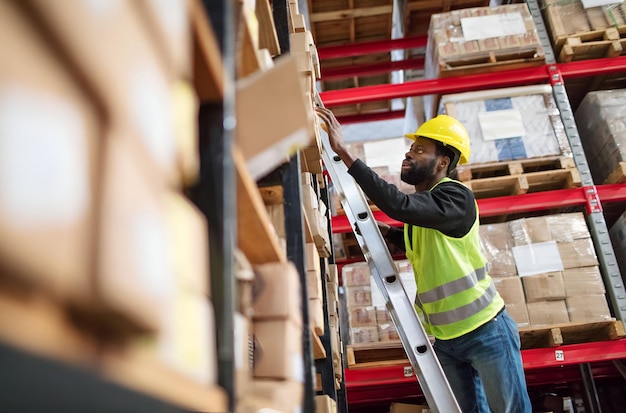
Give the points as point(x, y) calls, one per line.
point(415, 341)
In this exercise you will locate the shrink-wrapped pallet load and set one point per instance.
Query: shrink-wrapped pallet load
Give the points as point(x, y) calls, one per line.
point(601, 122)
point(510, 123)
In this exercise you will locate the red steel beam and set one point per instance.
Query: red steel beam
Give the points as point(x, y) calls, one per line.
point(511, 204)
point(515, 77)
point(379, 46)
point(433, 86)
point(371, 68)
point(541, 365)
point(370, 117)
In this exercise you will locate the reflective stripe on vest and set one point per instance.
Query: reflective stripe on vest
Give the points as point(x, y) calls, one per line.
point(463, 312)
point(453, 287)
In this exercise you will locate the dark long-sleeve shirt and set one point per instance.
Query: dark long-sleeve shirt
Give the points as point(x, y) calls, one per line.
point(448, 208)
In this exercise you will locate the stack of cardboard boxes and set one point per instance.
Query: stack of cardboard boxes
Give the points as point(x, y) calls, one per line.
point(601, 122)
point(368, 317)
point(98, 141)
point(467, 41)
point(269, 367)
point(546, 269)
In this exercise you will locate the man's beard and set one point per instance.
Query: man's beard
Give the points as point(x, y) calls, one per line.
point(418, 174)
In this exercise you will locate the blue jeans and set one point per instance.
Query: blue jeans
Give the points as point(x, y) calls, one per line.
point(484, 368)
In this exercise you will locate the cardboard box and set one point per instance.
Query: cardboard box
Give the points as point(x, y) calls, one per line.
point(408, 408)
point(588, 308)
point(519, 313)
point(278, 350)
point(324, 404)
point(543, 313)
point(577, 253)
point(244, 274)
point(188, 231)
point(115, 54)
point(358, 296)
point(312, 257)
point(186, 341)
point(583, 281)
point(568, 227)
point(364, 335)
point(136, 266)
point(186, 108)
point(355, 275)
point(169, 26)
point(316, 315)
point(530, 230)
point(496, 242)
point(50, 129)
point(332, 274)
point(383, 316)
point(510, 289)
point(243, 360)
point(276, 292)
point(284, 396)
point(388, 332)
point(273, 117)
point(542, 287)
point(362, 316)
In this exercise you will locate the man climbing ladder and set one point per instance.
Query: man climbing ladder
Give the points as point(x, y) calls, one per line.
point(476, 341)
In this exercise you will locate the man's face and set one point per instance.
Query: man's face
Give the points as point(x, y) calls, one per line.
point(419, 162)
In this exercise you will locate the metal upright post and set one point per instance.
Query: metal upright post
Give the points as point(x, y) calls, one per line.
point(595, 218)
point(326, 366)
point(215, 196)
point(294, 232)
point(339, 394)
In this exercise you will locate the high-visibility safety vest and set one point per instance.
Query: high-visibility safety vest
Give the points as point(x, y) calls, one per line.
point(455, 295)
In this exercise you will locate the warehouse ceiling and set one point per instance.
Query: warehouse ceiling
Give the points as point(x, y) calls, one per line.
point(338, 25)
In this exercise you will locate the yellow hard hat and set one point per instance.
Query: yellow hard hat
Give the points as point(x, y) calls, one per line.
point(447, 130)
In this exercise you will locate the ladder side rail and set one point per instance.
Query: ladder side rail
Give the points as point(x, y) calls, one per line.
point(414, 339)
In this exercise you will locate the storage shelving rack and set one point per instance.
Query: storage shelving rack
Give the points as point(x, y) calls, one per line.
point(229, 198)
point(370, 385)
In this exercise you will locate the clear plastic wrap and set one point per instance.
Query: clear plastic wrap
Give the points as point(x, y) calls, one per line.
point(388, 332)
point(362, 316)
point(570, 19)
point(510, 289)
point(496, 243)
point(356, 275)
point(563, 239)
point(360, 335)
point(469, 38)
point(509, 123)
point(601, 122)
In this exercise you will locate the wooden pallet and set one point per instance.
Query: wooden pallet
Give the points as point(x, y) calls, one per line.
point(520, 176)
point(610, 42)
point(369, 355)
point(618, 176)
point(490, 62)
point(570, 333)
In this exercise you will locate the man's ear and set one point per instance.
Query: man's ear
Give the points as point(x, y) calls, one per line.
point(444, 162)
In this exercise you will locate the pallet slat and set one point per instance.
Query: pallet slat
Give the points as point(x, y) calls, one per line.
point(520, 176)
point(370, 355)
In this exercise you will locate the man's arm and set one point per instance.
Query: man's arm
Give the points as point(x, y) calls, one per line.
point(394, 235)
point(449, 207)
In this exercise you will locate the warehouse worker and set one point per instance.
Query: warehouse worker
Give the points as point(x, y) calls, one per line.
point(476, 341)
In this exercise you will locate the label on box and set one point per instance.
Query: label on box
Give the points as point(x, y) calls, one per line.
point(539, 258)
point(595, 3)
point(496, 25)
point(501, 124)
point(44, 177)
